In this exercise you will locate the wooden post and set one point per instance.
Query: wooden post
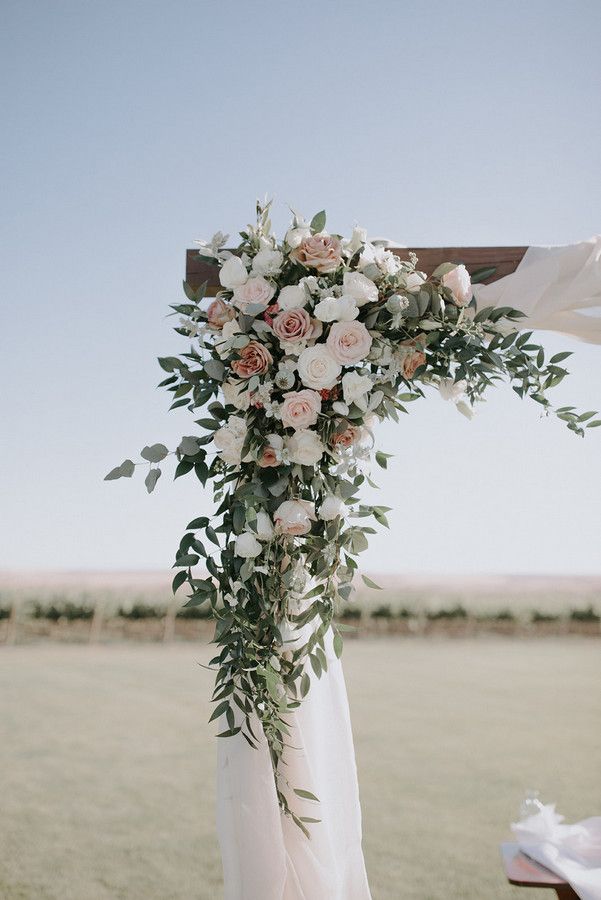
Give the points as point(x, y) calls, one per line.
point(13, 618)
point(504, 259)
point(169, 629)
point(96, 626)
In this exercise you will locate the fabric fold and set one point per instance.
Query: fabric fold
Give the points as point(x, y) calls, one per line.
point(265, 855)
point(558, 288)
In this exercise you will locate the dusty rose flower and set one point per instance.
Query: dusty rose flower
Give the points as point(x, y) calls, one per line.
point(300, 409)
point(346, 438)
point(319, 251)
point(255, 359)
point(291, 325)
point(413, 358)
point(268, 458)
point(219, 313)
point(459, 282)
point(349, 342)
point(294, 516)
point(257, 291)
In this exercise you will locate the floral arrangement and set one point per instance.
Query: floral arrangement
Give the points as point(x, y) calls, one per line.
point(309, 343)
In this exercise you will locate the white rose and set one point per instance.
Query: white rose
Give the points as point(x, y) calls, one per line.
point(317, 368)
point(362, 289)
point(460, 284)
point(294, 516)
point(264, 526)
point(295, 236)
point(355, 387)
point(305, 447)
point(247, 545)
point(268, 262)
point(293, 296)
point(234, 395)
point(331, 508)
point(336, 309)
point(233, 273)
point(229, 440)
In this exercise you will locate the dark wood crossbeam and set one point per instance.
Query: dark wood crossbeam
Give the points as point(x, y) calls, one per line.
point(504, 259)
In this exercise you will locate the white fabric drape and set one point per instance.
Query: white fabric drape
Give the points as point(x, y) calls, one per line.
point(265, 855)
point(553, 286)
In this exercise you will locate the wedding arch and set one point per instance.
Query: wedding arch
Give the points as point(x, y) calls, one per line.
point(297, 348)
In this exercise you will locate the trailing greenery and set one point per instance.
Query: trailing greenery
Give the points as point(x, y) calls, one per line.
point(309, 344)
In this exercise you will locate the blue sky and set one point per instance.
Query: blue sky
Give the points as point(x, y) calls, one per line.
point(132, 128)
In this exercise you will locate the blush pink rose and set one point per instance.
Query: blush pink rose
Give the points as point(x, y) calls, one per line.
point(300, 408)
point(294, 517)
point(291, 325)
point(460, 284)
point(257, 291)
point(255, 359)
point(349, 342)
point(319, 251)
point(268, 458)
point(219, 313)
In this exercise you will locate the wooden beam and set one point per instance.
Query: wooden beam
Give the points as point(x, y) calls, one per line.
point(505, 259)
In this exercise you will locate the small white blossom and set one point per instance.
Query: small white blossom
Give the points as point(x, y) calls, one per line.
point(267, 262)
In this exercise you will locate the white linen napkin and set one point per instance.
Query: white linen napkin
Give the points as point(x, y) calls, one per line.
point(571, 851)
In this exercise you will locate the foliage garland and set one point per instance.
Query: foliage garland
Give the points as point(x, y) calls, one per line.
point(310, 342)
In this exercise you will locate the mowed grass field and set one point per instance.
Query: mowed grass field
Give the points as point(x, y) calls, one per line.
point(107, 764)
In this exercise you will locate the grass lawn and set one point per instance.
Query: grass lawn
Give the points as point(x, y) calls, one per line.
point(107, 766)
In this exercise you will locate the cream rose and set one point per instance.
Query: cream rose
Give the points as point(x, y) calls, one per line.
point(360, 288)
point(293, 296)
point(255, 359)
point(317, 368)
point(305, 447)
point(294, 517)
point(349, 342)
point(300, 408)
point(232, 273)
point(235, 396)
point(337, 309)
point(319, 251)
point(229, 440)
point(460, 284)
point(256, 292)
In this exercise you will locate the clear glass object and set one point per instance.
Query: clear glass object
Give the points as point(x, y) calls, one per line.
point(531, 804)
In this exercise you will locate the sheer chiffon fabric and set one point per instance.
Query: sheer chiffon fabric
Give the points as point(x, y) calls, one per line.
point(265, 855)
point(559, 289)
